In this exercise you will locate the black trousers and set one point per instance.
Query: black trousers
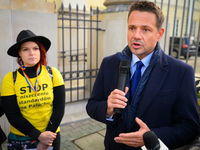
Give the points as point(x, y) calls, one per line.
point(56, 142)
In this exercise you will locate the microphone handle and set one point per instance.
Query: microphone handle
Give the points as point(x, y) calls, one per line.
point(121, 86)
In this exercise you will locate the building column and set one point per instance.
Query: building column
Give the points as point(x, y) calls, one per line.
point(117, 5)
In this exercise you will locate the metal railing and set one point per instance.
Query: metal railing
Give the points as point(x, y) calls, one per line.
point(78, 45)
point(77, 63)
point(187, 20)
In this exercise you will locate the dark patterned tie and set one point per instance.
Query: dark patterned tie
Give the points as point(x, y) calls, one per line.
point(136, 78)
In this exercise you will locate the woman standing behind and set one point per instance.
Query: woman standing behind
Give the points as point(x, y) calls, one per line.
point(33, 101)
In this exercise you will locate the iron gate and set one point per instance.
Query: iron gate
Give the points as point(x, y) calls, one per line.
point(77, 63)
point(78, 47)
point(186, 21)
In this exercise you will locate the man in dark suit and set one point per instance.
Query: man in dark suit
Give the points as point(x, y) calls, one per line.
point(165, 100)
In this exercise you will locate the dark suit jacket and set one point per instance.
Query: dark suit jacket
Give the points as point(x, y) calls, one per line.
point(168, 103)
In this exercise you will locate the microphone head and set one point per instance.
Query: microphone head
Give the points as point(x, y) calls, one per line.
point(151, 141)
point(124, 66)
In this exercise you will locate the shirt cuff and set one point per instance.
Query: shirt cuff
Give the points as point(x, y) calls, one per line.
point(110, 118)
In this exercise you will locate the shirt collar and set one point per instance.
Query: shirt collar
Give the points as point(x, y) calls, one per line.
point(145, 60)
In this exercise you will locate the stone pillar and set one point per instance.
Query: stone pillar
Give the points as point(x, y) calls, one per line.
point(117, 5)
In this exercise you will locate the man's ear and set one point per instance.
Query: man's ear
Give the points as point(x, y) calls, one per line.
point(160, 34)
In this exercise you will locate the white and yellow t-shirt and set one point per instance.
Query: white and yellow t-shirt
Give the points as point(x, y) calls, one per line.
point(36, 112)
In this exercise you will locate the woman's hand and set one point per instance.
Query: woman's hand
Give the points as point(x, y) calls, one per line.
point(47, 138)
point(42, 146)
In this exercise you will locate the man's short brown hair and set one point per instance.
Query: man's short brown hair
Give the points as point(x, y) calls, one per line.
point(148, 7)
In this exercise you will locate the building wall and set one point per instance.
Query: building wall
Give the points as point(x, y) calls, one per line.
point(99, 4)
point(87, 3)
point(95, 4)
point(196, 16)
point(57, 3)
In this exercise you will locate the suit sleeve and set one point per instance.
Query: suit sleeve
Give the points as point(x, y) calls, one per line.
point(97, 104)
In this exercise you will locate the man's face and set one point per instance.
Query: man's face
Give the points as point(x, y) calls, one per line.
point(142, 33)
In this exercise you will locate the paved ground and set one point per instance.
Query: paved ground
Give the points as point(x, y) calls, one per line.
point(87, 134)
point(83, 135)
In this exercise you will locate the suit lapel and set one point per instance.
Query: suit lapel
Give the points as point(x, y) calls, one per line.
point(156, 79)
point(151, 89)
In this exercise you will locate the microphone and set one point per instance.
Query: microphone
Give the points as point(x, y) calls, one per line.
point(124, 68)
point(152, 142)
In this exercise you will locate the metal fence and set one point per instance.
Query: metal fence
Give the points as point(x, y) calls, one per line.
point(192, 47)
point(78, 44)
point(77, 63)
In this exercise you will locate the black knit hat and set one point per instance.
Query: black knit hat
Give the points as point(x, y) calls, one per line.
point(25, 36)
